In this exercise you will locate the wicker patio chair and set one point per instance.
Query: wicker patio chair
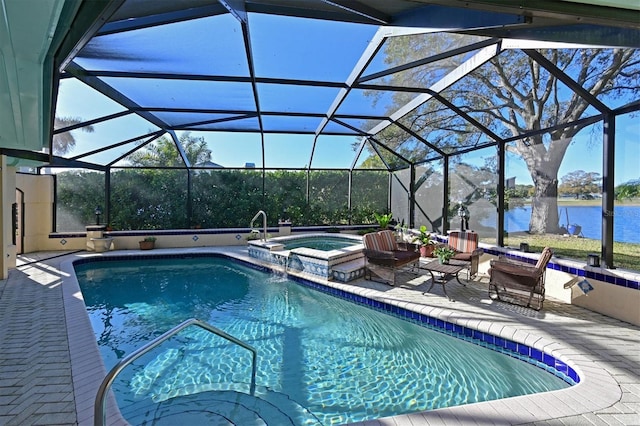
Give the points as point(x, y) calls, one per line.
point(518, 282)
point(385, 257)
point(465, 244)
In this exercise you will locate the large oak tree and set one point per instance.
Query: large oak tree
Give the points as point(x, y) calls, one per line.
point(512, 94)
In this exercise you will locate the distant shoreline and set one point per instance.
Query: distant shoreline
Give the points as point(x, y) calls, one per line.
point(564, 202)
point(596, 202)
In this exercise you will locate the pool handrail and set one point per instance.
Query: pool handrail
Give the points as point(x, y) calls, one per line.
point(264, 223)
point(99, 413)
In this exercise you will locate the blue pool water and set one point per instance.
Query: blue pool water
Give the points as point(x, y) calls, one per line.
point(324, 243)
point(337, 361)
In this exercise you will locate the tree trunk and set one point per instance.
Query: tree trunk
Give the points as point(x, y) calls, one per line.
point(544, 206)
point(543, 164)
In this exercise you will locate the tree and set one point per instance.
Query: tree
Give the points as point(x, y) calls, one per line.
point(64, 142)
point(511, 94)
point(580, 183)
point(163, 152)
point(628, 190)
point(78, 192)
point(220, 198)
point(156, 199)
point(149, 199)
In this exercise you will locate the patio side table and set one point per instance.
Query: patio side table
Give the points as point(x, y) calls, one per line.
point(446, 272)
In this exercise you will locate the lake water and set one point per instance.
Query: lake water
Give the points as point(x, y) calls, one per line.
point(625, 226)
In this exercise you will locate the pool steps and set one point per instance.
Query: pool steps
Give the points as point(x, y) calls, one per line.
point(222, 407)
point(100, 406)
point(348, 271)
point(273, 246)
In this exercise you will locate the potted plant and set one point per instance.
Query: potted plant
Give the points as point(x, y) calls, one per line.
point(401, 231)
point(444, 253)
point(426, 243)
point(148, 243)
point(383, 219)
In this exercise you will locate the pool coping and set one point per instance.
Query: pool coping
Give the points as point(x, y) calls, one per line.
point(596, 390)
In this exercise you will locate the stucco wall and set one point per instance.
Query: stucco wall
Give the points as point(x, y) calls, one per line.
point(38, 211)
point(8, 196)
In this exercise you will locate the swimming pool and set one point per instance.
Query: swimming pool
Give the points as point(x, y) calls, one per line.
point(339, 362)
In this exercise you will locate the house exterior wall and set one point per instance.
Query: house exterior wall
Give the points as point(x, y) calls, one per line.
point(38, 211)
point(8, 196)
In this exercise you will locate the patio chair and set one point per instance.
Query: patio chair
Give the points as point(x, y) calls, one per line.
point(384, 257)
point(465, 244)
point(519, 283)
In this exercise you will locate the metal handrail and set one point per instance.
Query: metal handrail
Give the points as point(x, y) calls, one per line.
point(264, 223)
point(99, 412)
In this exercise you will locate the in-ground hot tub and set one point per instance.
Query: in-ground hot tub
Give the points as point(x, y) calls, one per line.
point(329, 256)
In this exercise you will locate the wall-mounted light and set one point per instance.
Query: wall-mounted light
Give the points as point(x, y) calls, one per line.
point(98, 212)
point(593, 260)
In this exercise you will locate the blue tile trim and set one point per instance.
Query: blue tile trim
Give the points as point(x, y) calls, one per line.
point(611, 279)
point(327, 228)
point(147, 257)
point(505, 346)
point(185, 232)
point(69, 235)
point(508, 347)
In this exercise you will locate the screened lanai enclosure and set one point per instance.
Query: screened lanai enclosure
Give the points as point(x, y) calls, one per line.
point(197, 114)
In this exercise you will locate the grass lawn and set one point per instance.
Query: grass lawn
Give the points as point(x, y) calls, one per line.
point(596, 202)
point(626, 255)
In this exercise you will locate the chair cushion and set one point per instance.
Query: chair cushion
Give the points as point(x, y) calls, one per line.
point(388, 240)
point(380, 241)
point(394, 258)
point(371, 241)
point(462, 256)
point(404, 256)
point(545, 257)
point(511, 268)
point(463, 241)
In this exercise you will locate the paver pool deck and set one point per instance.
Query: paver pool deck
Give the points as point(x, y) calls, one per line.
point(50, 368)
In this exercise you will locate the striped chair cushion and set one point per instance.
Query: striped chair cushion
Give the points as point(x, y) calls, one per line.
point(545, 257)
point(388, 240)
point(372, 242)
point(464, 242)
point(380, 241)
